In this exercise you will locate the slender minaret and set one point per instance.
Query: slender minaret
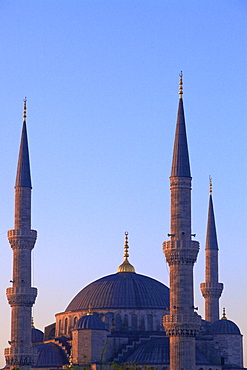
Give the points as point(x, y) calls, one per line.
point(182, 324)
point(211, 289)
point(21, 296)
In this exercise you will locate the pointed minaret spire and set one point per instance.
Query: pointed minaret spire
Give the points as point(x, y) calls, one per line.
point(211, 239)
point(182, 324)
point(21, 296)
point(23, 176)
point(180, 161)
point(211, 289)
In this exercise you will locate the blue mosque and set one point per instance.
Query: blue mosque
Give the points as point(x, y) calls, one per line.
point(125, 319)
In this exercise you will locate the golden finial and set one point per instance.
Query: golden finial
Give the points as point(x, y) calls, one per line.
point(210, 185)
point(25, 109)
point(89, 312)
point(126, 245)
point(32, 323)
point(126, 266)
point(180, 91)
point(224, 314)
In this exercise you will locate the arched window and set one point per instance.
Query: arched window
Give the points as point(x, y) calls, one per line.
point(126, 322)
point(150, 323)
point(134, 322)
point(66, 326)
point(59, 327)
point(75, 321)
point(118, 322)
point(142, 324)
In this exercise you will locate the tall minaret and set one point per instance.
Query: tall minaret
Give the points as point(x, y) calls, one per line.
point(21, 296)
point(182, 324)
point(211, 289)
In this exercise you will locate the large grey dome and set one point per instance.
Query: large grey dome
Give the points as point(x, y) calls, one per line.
point(124, 290)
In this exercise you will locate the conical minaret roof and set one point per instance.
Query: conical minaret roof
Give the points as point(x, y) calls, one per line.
point(211, 238)
point(180, 161)
point(23, 175)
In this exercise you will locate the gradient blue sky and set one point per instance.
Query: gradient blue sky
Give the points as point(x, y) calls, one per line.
point(101, 79)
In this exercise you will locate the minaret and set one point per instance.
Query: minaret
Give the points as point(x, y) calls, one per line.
point(21, 296)
point(211, 289)
point(182, 324)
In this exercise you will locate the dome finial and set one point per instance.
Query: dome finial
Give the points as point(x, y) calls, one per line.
point(180, 85)
point(126, 245)
point(32, 323)
point(126, 266)
point(89, 312)
point(224, 314)
point(210, 185)
point(25, 109)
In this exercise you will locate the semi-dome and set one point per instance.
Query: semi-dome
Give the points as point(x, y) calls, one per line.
point(91, 322)
point(37, 335)
point(224, 326)
point(123, 290)
point(155, 351)
point(50, 355)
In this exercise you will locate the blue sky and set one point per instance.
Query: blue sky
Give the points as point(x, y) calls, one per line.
point(101, 79)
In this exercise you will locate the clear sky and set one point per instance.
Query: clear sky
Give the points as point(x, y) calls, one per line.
point(101, 79)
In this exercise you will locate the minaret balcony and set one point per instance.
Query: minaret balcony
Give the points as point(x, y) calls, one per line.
point(182, 324)
point(211, 290)
point(21, 296)
point(23, 239)
point(20, 356)
point(181, 251)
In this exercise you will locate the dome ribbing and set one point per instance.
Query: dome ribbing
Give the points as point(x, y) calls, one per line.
point(123, 290)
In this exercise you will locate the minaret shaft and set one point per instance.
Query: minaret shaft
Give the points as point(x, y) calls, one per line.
point(180, 208)
point(22, 208)
point(182, 324)
point(21, 296)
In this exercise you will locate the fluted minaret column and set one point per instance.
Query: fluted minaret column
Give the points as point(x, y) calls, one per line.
point(211, 289)
point(21, 296)
point(182, 325)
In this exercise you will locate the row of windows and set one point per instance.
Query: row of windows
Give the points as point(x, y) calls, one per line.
point(117, 323)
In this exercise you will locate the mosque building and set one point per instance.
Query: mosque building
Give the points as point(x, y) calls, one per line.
point(126, 320)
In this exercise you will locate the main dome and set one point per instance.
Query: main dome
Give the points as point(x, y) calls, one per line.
point(123, 290)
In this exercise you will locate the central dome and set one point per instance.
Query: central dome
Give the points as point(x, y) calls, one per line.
point(123, 290)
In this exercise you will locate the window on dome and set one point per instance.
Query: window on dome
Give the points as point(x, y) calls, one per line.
point(134, 322)
point(118, 322)
point(150, 323)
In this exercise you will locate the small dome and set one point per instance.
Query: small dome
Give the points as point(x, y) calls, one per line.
point(92, 322)
point(37, 335)
point(123, 290)
point(224, 326)
point(50, 355)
